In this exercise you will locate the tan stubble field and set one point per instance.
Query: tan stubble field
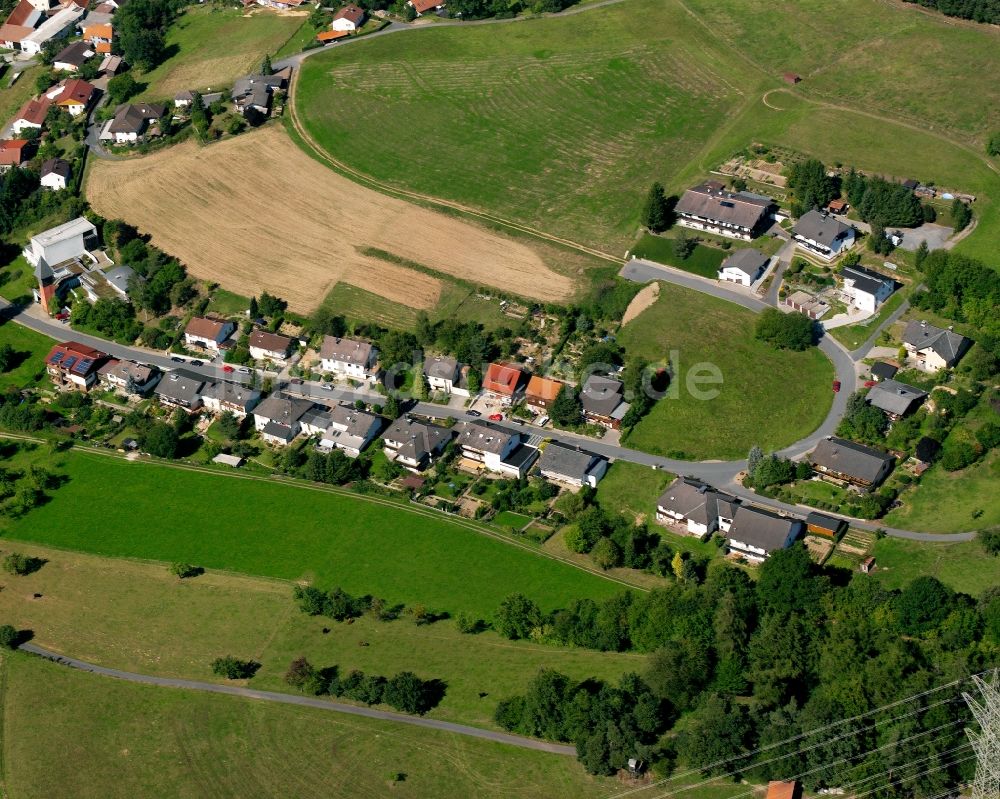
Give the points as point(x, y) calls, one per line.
point(254, 213)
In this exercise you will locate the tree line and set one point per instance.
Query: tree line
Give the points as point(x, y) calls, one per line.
point(977, 10)
point(404, 691)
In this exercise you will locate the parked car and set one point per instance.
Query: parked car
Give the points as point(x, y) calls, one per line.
point(197, 363)
point(836, 386)
point(869, 383)
point(227, 368)
point(476, 414)
point(243, 370)
point(296, 381)
point(327, 387)
point(496, 417)
point(541, 421)
point(175, 359)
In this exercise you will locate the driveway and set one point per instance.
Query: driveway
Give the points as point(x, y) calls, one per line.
point(936, 237)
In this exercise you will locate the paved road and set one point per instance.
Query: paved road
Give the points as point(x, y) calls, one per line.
point(784, 259)
point(303, 701)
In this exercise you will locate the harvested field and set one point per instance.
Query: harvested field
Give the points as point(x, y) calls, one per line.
point(641, 301)
point(266, 233)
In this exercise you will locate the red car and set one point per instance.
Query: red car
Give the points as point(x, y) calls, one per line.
point(228, 368)
point(836, 386)
point(496, 417)
point(869, 383)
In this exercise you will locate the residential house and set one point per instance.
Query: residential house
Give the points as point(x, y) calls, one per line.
point(541, 392)
point(224, 395)
point(571, 465)
point(72, 57)
point(14, 152)
point(255, 92)
point(72, 95)
point(494, 448)
point(342, 427)
point(111, 65)
point(933, 348)
point(883, 370)
point(180, 388)
point(847, 462)
point(279, 5)
point(421, 7)
point(114, 283)
point(74, 366)
point(100, 36)
point(135, 379)
point(55, 26)
point(349, 358)
point(278, 418)
point(208, 333)
point(414, 444)
point(21, 22)
point(265, 346)
point(821, 524)
point(777, 789)
point(823, 235)
point(131, 123)
point(185, 98)
point(744, 266)
point(55, 174)
point(447, 375)
point(70, 240)
point(757, 533)
point(865, 288)
point(691, 503)
point(737, 215)
point(603, 401)
point(348, 19)
point(895, 398)
point(504, 383)
point(12, 35)
point(31, 115)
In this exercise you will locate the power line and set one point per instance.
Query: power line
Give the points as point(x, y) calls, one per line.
point(807, 734)
point(986, 742)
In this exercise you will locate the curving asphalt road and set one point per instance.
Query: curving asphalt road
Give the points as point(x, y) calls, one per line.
point(301, 701)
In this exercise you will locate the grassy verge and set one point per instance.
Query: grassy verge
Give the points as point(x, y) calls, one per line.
point(963, 566)
point(704, 261)
point(293, 532)
point(30, 348)
point(68, 733)
point(767, 397)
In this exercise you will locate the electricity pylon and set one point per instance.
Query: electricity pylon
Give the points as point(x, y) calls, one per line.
point(986, 742)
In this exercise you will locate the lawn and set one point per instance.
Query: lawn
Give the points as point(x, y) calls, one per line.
point(632, 488)
point(657, 91)
point(952, 502)
point(227, 303)
point(767, 397)
point(357, 305)
point(198, 62)
point(963, 566)
point(510, 520)
point(704, 261)
point(17, 279)
point(31, 349)
point(853, 336)
point(69, 733)
point(13, 97)
point(292, 532)
point(136, 616)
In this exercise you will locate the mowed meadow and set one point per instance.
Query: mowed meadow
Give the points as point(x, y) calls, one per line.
point(366, 545)
point(254, 213)
point(562, 123)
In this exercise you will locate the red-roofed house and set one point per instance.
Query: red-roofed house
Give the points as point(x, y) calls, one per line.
point(32, 114)
point(777, 789)
point(73, 366)
point(73, 94)
point(503, 382)
point(542, 392)
point(423, 6)
point(349, 18)
point(13, 152)
point(331, 36)
point(99, 36)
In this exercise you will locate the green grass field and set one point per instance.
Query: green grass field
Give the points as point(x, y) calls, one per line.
point(200, 62)
point(704, 261)
point(68, 733)
point(632, 488)
point(768, 397)
point(294, 533)
point(136, 616)
point(962, 566)
point(31, 349)
point(664, 91)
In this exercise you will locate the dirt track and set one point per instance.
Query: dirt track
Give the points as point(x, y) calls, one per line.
point(255, 213)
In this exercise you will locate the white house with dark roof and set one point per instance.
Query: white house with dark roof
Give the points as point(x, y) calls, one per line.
point(445, 374)
point(349, 358)
point(744, 266)
point(933, 348)
point(865, 288)
point(208, 333)
point(55, 174)
point(757, 533)
point(895, 398)
point(278, 418)
point(414, 444)
point(823, 235)
point(847, 462)
point(736, 215)
point(572, 466)
point(224, 395)
point(180, 388)
point(135, 379)
point(495, 448)
point(689, 503)
point(341, 427)
point(603, 401)
point(266, 346)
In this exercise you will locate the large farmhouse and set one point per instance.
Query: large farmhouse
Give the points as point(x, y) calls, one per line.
point(823, 235)
point(847, 462)
point(709, 207)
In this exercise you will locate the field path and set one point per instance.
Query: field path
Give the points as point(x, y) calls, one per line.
point(301, 701)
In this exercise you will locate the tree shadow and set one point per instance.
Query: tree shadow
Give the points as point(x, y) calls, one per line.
point(432, 694)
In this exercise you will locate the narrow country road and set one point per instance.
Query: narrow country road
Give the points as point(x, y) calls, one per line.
point(302, 701)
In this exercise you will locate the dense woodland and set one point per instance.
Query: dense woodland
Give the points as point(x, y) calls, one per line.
point(976, 10)
point(735, 665)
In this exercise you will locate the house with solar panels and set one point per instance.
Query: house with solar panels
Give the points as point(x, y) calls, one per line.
point(74, 366)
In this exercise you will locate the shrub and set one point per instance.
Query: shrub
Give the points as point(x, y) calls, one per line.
point(183, 570)
point(18, 564)
point(792, 331)
point(233, 668)
point(8, 636)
